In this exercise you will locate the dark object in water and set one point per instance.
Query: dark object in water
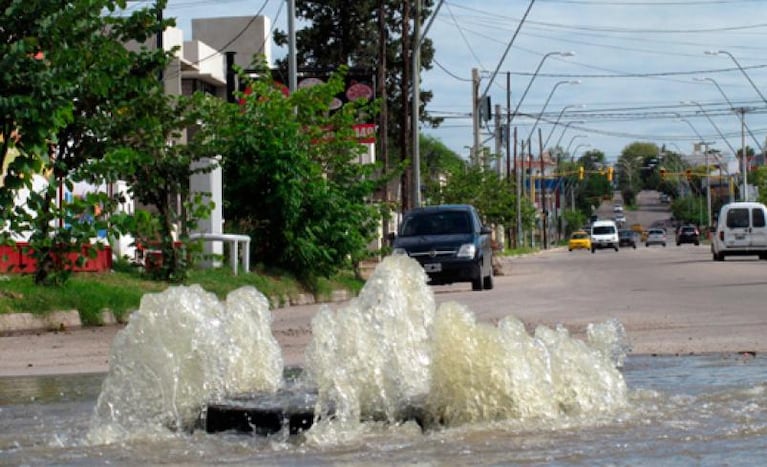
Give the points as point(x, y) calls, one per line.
point(263, 413)
point(269, 413)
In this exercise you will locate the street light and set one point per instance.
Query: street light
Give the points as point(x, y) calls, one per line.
point(567, 151)
point(564, 130)
point(743, 143)
point(545, 104)
point(724, 52)
point(575, 151)
point(559, 117)
point(703, 111)
point(535, 74)
point(514, 114)
point(721, 91)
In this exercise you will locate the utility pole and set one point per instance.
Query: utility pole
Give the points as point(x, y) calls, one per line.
point(416, 181)
point(498, 139)
point(708, 186)
point(475, 114)
point(544, 213)
point(292, 64)
point(382, 141)
point(518, 181)
point(743, 155)
point(404, 145)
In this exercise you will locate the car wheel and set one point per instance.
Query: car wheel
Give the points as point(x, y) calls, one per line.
point(635, 246)
point(664, 245)
point(677, 243)
point(697, 243)
point(718, 257)
point(476, 284)
point(487, 283)
point(593, 250)
point(569, 249)
point(616, 247)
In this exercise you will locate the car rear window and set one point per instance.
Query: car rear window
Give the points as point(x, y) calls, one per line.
point(737, 218)
point(603, 230)
point(758, 217)
point(437, 223)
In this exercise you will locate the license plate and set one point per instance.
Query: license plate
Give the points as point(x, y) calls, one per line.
point(432, 267)
point(740, 236)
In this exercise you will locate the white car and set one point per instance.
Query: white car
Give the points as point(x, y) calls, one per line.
point(604, 234)
point(741, 230)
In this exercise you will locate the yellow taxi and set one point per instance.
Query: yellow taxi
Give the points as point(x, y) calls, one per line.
point(579, 240)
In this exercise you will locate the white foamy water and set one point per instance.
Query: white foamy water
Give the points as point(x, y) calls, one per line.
point(391, 348)
point(386, 351)
point(181, 349)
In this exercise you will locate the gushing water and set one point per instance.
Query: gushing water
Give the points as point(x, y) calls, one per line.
point(182, 348)
point(388, 350)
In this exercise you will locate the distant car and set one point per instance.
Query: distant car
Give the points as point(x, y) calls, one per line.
point(620, 218)
point(655, 237)
point(579, 240)
point(687, 234)
point(627, 237)
point(604, 234)
point(618, 208)
point(664, 198)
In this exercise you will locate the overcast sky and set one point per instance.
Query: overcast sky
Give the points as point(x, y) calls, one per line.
point(636, 60)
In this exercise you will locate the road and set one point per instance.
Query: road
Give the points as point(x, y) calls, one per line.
point(672, 300)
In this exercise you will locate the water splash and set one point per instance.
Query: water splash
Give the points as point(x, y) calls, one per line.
point(390, 349)
point(180, 350)
point(371, 359)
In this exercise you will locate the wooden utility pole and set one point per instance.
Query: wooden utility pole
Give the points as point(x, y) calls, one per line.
point(404, 145)
point(382, 141)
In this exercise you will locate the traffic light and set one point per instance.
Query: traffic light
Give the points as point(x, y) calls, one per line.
point(688, 174)
point(662, 174)
point(580, 173)
point(609, 174)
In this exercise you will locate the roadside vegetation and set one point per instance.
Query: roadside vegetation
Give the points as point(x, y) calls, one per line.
point(120, 291)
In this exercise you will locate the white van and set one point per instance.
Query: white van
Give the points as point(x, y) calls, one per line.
point(604, 234)
point(741, 230)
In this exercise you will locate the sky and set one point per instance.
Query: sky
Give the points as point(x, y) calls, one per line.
point(639, 71)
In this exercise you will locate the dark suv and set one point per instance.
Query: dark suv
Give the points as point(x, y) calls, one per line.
point(450, 242)
point(687, 234)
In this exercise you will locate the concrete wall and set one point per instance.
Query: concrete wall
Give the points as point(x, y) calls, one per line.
point(223, 34)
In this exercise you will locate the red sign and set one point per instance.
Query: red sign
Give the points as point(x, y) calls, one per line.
point(366, 132)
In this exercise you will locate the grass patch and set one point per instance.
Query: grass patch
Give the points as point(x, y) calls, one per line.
point(120, 291)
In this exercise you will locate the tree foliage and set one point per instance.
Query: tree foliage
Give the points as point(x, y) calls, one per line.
point(292, 179)
point(66, 75)
point(347, 33)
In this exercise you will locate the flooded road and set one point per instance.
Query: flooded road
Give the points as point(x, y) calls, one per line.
point(691, 410)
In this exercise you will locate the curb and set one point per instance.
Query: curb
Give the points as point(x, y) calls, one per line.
point(29, 323)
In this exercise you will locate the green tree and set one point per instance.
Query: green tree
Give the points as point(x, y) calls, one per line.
point(437, 162)
point(630, 168)
point(66, 74)
point(158, 173)
point(590, 191)
point(292, 180)
point(339, 32)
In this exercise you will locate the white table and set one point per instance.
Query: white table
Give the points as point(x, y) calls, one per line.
point(234, 240)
